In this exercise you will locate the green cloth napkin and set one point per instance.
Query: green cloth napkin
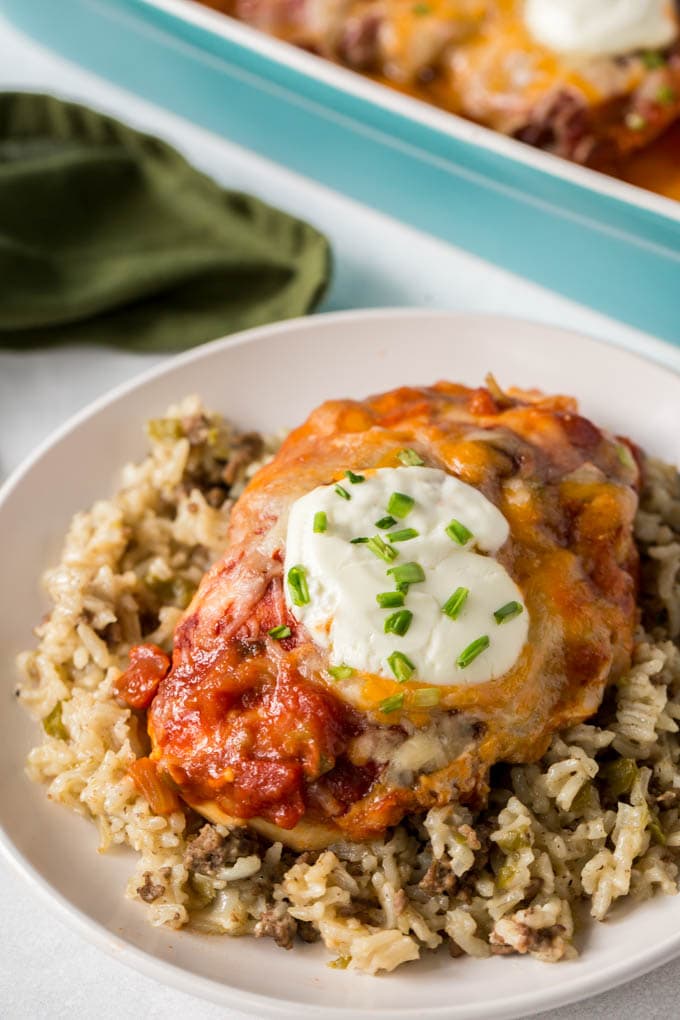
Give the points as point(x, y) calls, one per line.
point(110, 236)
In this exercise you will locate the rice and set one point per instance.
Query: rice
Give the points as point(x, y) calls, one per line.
point(594, 822)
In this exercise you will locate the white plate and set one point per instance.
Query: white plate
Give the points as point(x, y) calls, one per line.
point(266, 379)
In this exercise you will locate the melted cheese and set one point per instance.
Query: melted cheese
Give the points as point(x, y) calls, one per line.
point(343, 614)
point(657, 166)
point(495, 68)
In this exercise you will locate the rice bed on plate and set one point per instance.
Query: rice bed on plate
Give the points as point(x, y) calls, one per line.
point(596, 820)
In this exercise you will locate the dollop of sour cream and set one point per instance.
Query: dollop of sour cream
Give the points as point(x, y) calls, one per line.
point(444, 527)
point(593, 28)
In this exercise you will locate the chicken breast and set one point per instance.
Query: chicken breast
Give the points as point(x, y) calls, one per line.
point(251, 725)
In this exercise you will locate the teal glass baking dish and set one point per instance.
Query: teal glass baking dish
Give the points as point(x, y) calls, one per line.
point(599, 241)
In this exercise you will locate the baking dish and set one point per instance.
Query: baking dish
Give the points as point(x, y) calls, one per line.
point(597, 240)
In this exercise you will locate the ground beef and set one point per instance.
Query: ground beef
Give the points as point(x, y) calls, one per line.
point(360, 42)
point(307, 932)
point(438, 879)
point(511, 936)
point(501, 949)
point(454, 949)
point(216, 496)
point(277, 924)
point(560, 125)
point(532, 889)
point(209, 850)
point(151, 890)
point(400, 901)
point(244, 450)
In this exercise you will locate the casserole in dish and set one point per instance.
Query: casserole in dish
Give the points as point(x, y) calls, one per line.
point(591, 82)
point(593, 238)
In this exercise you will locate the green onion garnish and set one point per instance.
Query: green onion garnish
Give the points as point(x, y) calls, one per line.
point(625, 456)
point(401, 666)
point(342, 492)
point(390, 599)
point(280, 632)
point(470, 653)
point(400, 505)
point(341, 672)
point(320, 522)
point(404, 535)
point(381, 549)
point(385, 522)
point(458, 532)
point(426, 697)
point(399, 622)
point(635, 121)
point(666, 95)
point(508, 612)
point(402, 586)
point(407, 573)
point(297, 583)
point(653, 60)
point(453, 605)
point(354, 479)
point(361, 540)
point(410, 458)
point(392, 704)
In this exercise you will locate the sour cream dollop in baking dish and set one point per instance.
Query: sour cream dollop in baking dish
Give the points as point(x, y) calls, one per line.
point(393, 572)
point(601, 27)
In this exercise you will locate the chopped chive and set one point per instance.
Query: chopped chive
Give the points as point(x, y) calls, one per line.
point(400, 505)
point(342, 492)
point(666, 95)
point(402, 586)
point(355, 479)
point(407, 573)
point(625, 456)
point(474, 649)
point(385, 522)
point(392, 704)
point(403, 536)
point(508, 612)
point(381, 549)
point(401, 666)
point(410, 458)
point(320, 522)
point(361, 540)
point(340, 672)
point(635, 121)
point(390, 599)
point(458, 532)
point(297, 583)
point(399, 622)
point(453, 605)
point(280, 632)
point(653, 60)
point(426, 697)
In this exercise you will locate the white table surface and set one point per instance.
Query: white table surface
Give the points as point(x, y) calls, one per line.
point(46, 970)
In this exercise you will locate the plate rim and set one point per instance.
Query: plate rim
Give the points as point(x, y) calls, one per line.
point(641, 347)
point(658, 354)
